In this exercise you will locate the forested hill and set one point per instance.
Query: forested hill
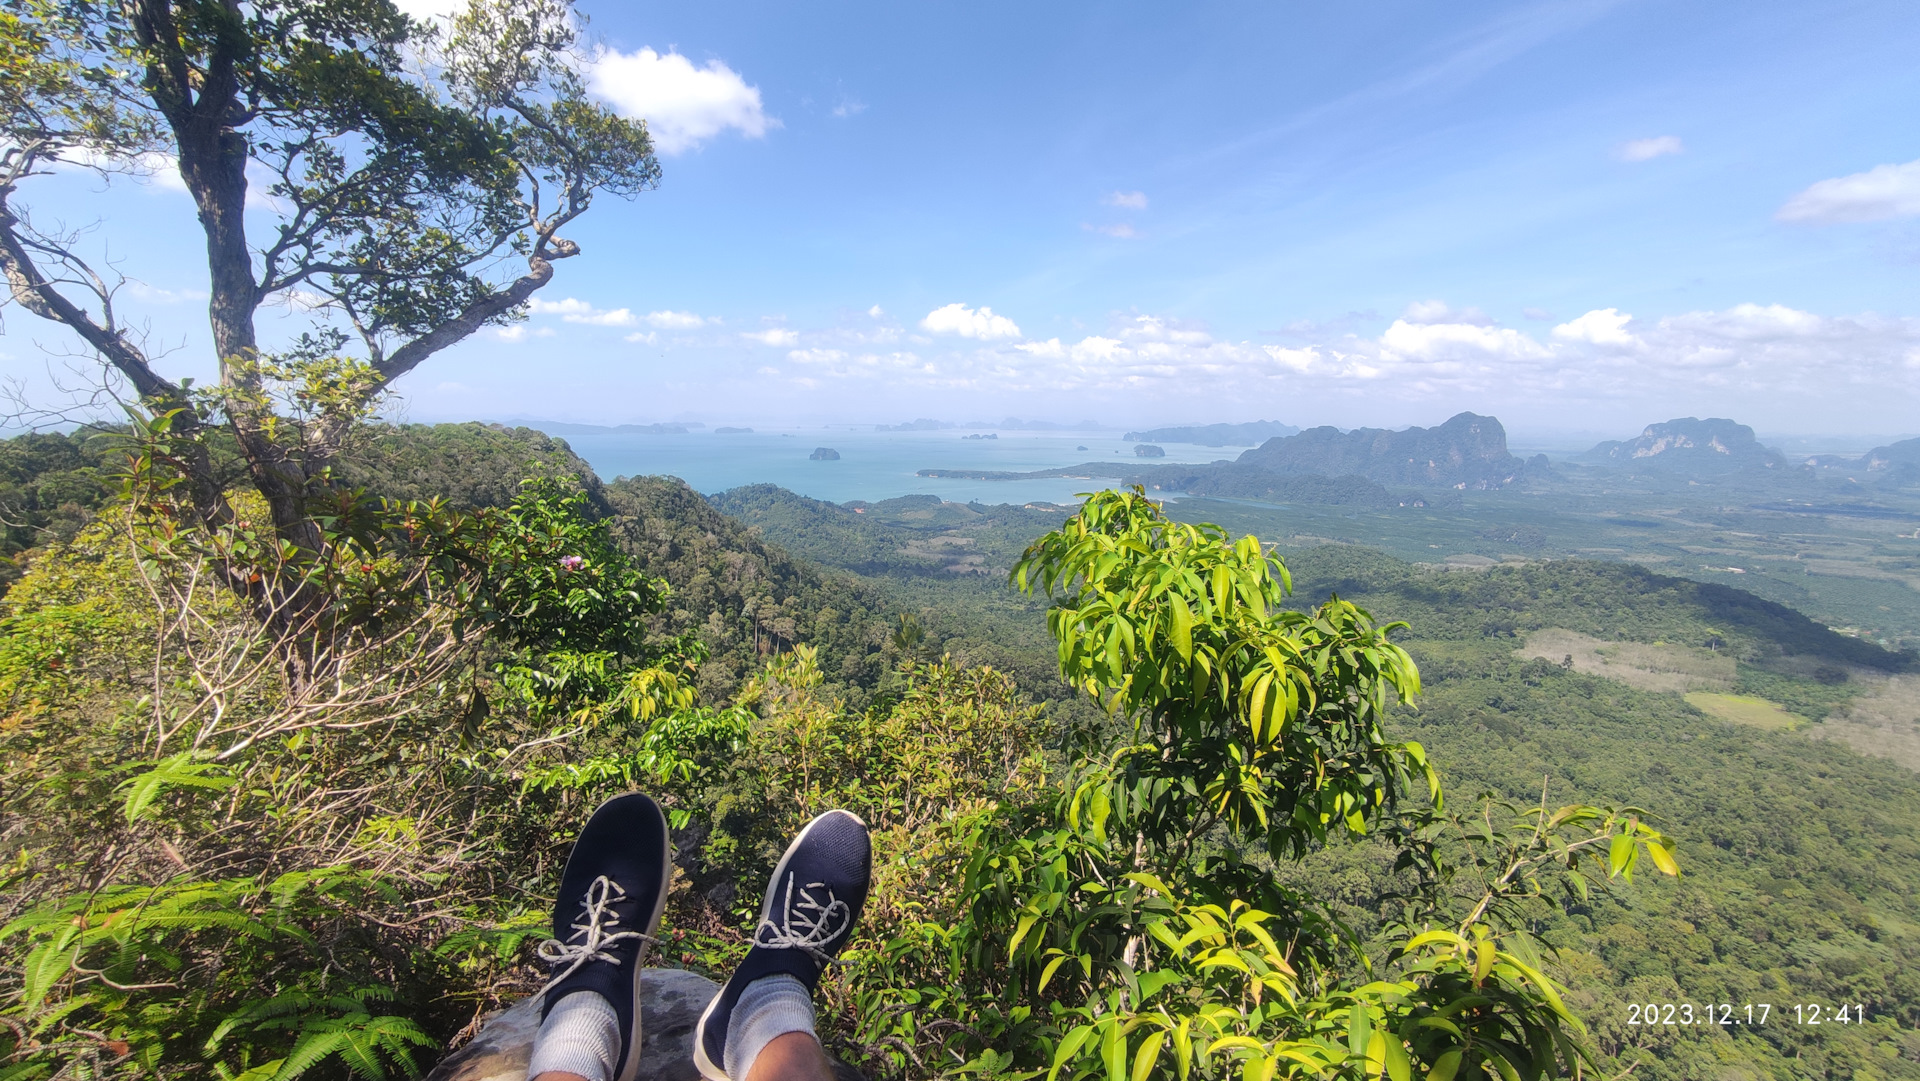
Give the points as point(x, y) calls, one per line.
point(1801, 856)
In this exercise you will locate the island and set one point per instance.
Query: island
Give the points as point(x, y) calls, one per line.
point(824, 454)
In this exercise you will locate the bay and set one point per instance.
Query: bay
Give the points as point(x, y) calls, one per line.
point(875, 465)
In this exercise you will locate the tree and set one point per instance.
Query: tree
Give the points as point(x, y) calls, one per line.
point(418, 179)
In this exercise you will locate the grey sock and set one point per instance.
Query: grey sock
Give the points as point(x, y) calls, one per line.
point(581, 1035)
point(769, 1007)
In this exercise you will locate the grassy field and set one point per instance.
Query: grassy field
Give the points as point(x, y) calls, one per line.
point(1745, 709)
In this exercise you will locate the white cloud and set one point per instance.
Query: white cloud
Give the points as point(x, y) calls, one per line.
point(569, 306)
point(141, 291)
point(1602, 326)
point(876, 312)
point(574, 310)
point(618, 317)
point(519, 332)
point(849, 107)
point(1882, 192)
point(968, 323)
point(683, 105)
point(1449, 341)
point(1648, 149)
point(153, 167)
point(1128, 200)
point(677, 320)
point(816, 356)
point(1118, 230)
point(643, 337)
point(774, 336)
point(1439, 311)
point(431, 10)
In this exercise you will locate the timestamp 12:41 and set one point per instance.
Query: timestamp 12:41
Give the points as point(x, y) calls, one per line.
point(1751, 1013)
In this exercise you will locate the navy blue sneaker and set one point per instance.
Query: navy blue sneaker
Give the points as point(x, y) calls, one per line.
point(611, 897)
point(813, 901)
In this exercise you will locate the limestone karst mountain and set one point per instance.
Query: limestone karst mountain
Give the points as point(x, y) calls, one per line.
point(1691, 445)
point(1468, 451)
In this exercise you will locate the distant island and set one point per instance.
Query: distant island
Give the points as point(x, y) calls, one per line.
point(733, 431)
point(989, 435)
point(1323, 465)
point(554, 427)
point(824, 454)
point(1148, 450)
point(1251, 434)
point(923, 424)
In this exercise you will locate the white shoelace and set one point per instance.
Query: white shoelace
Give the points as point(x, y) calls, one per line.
point(809, 925)
point(596, 923)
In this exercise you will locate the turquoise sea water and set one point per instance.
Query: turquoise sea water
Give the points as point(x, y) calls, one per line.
point(873, 465)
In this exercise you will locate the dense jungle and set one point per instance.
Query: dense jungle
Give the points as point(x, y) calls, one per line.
point(187, 829)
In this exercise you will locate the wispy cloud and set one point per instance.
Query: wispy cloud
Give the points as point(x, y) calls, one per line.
point(780, 337)
point(1880, 193)
point(671, 320)
point(1648, 149)
point(1604, 354)
point(1439, 311)
point(1126, 200)
point(574, 310)
point(1118, 230)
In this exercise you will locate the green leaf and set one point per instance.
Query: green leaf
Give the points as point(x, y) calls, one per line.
point(1445, 1066)
point(1068, 1048)
point(1620, 856)
point(1148, 1055)
point(1113, 1051)
point(1359, 1030)
point(179, 771)
point(1399, 1068)
point(1662, 858)
point(45, 966)
point(1182, 627)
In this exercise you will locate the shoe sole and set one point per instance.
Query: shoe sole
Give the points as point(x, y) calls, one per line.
point(708, 1068)
point(630, 1070)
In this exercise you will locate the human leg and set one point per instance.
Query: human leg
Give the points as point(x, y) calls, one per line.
point(611, 896)
point(760, 1026)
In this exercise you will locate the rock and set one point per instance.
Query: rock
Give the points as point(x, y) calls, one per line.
point(1148, 450)
point(671, 1001)
point(824, 454)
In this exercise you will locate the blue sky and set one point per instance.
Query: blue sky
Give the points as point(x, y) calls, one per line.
point(1583, 215)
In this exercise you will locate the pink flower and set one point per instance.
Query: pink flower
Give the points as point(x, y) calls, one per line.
point(569, 564)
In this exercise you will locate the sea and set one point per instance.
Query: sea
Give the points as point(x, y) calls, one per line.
point(875, 465)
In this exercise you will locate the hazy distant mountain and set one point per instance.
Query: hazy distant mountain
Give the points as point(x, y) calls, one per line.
point(1468, 451)
point(563, 428)
point(1691, 445)
point(1905, 452)
point(1250, 434)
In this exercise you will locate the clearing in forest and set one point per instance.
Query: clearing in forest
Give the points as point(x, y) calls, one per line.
point(1658, 667)
point(1885, 721)
point(1745, 709)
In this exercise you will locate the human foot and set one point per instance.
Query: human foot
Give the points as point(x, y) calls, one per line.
point(813, 900)
point(609, 904)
